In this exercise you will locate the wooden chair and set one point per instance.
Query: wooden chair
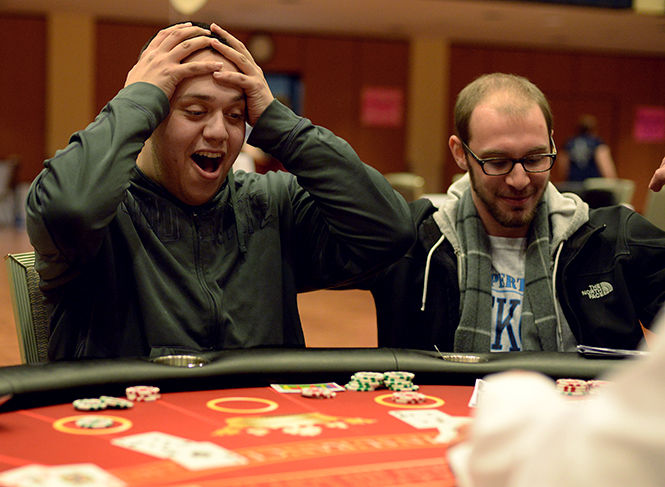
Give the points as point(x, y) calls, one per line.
point(30, 310)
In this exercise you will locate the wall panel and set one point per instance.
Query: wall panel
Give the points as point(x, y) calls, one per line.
point(23, 92)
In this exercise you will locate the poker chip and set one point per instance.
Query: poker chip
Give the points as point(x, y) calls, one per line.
point(91, 404)
point(142, 393)
point(116, 402)
point(94, 422)
point(572, 387)
point(317, 393)
point(395, 380)
point(407, 397)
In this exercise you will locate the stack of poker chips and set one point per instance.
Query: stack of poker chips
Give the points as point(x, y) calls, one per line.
point(103, 402)
point(399, 381)
point(142, 393)
point(370, 381)
point(572, 387)
point(408, 397)
point(94, 422)
point(317, 393)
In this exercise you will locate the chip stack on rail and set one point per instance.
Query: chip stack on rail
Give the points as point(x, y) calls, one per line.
point(399, 381)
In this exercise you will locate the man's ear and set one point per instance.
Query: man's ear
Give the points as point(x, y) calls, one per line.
point(458, 152)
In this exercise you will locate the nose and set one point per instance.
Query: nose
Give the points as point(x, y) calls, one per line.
point(518, 178)
point(215, 128)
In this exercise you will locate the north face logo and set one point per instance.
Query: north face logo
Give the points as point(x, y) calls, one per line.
point(599, 290)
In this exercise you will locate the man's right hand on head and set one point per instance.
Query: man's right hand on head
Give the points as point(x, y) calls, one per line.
point(160, 63)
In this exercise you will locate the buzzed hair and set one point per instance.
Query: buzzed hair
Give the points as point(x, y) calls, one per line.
point(483, 86)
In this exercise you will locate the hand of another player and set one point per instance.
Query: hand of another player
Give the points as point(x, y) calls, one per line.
point(658, 178)
point(250, 78)
point(160, 63)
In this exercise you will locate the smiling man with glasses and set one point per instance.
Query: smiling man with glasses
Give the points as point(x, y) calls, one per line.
point(507, 263)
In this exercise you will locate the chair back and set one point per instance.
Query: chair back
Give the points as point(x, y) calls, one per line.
point(622, 189)
point(409, 185)
point(30, 310)
point(655, 208)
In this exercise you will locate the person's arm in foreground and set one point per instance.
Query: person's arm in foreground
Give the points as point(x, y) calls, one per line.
point(349, 220)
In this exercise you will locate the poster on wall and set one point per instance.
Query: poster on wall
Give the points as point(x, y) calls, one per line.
point(381, 106)
point(649, 125)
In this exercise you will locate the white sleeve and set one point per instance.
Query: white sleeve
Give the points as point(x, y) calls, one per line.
point(525, 433)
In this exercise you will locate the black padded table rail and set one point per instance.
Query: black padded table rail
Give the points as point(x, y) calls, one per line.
point(59, 382)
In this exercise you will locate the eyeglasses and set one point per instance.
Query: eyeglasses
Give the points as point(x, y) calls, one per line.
point(500, 166)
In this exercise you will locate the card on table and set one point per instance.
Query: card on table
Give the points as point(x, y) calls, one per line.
point(297, 388)
point(78, 474)
point(193, 455)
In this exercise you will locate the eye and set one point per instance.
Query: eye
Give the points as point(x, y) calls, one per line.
point(236, 116)
point(195, 113)
point(498, 162)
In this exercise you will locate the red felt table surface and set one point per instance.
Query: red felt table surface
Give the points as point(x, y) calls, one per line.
point(359, 441)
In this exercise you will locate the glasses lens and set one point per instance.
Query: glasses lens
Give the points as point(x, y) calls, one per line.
point(538, 163)
point(497, 167)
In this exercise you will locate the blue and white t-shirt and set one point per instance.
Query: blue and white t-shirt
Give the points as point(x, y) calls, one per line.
point(508, 263)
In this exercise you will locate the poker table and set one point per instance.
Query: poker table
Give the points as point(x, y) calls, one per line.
point(257, 435)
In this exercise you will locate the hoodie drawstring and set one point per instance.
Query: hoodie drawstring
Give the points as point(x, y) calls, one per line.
point(559, 331)
point(427, 265)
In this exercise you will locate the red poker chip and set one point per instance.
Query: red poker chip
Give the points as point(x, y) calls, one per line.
point(572, 387)
point(408, 397)
point(317, 393)
point(142, 393)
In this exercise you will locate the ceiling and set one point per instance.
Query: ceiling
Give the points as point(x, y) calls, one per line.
point(495, 22)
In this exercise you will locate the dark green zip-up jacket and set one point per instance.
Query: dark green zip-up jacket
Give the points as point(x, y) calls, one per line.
point(129, 270)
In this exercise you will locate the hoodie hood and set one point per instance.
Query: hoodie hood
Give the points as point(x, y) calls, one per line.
point(567, 213)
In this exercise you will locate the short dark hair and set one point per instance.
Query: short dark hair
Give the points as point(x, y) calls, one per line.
point(203, 25)
point(483, 86)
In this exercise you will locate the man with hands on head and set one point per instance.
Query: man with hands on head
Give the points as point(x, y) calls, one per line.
point(148, 244)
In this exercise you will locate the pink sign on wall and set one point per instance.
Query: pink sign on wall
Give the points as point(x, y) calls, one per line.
point(649, 124)
point(382, 107)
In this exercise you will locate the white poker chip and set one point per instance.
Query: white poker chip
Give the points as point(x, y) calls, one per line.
point(90, 404)
point(317, 393)
point(116, 402)
point(94, 422)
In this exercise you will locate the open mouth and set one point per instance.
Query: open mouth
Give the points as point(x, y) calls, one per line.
point(208, 161)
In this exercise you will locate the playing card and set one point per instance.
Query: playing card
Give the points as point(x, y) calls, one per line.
point(477, 392)
point(446, 424)
point(79, 475)
point(26, 476)
point(422, 418)
point(200, 455)
point(155, 443)
point(82, 475)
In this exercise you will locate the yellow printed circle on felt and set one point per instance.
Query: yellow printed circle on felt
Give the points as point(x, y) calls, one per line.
point(61, 425)
point(214, 404)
